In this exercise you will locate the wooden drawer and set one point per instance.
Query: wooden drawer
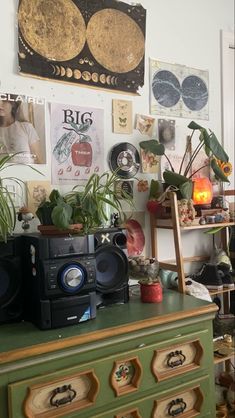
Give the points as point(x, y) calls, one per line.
point(58, 397)
point(187, 401)
point(94, 384)
point(177, 359)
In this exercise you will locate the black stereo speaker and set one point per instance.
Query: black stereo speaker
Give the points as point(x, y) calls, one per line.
point(10, 282)
point(59, 280)
point(111, 266)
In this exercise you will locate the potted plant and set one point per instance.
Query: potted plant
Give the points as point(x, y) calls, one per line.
point(83, 205)
point(7, 209)
point(218, 160)
point(146, 270)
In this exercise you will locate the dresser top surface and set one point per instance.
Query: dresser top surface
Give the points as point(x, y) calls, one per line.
point(17, 338)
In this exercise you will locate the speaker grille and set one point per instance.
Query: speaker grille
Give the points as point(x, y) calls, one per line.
point(111, 268)
point(10, 289)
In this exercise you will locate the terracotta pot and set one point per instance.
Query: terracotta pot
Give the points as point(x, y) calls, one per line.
point(53, 230)
point(151, 293)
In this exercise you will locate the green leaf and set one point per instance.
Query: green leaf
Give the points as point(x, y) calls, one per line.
point(54, 196)
point(186, 189)
point(153, 146)
point(214, 230)
point(213, 144)
point(218, 172)
point(217, 149)
point(174, 179)
point(61, 216)
point(193, 125)
point(154, 189)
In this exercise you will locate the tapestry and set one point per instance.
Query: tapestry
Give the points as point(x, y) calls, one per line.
point(98, 43)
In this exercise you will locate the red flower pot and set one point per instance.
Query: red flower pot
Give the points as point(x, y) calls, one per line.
point(151, 293)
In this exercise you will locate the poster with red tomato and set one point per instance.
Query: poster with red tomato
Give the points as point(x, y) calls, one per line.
point(77, 138)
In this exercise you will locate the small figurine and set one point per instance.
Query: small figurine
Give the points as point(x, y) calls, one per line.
point(114, 220)
point(25, 216)
point(202, 221)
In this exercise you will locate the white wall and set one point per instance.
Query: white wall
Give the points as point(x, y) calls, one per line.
point(178, 31)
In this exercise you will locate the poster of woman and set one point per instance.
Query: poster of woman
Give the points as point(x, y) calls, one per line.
point(77, 137)
point(22, 128)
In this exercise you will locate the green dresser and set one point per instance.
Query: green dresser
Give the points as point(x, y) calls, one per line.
point(133, 361)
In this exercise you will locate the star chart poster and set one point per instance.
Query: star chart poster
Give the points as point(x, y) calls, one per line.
point(178, 91)
point(77, 136)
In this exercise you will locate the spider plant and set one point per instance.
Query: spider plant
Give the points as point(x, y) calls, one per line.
point(85, 204)
point(7, 208)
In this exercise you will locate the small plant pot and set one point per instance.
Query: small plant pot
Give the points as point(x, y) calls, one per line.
point(151, 293)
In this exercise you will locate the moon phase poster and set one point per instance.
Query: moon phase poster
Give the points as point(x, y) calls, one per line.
point(178, 91)
point(96, 43)
point(77, 143)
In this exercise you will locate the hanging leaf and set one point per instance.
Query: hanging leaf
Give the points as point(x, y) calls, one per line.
point(218, 172)
point(217, 149)
point(152, 145)
point(214, 230)
point(174, 179)
point(154, 189)
point(213, 144)
point(186, 189)
point(193, 125)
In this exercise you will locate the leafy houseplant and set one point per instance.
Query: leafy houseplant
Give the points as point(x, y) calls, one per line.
point(83, 204)
point(218, 160)
point(7, 208)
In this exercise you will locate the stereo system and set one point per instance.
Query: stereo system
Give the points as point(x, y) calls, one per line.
point(111, 266)
point(59, 280)
point(11, 303)
point(55, 281)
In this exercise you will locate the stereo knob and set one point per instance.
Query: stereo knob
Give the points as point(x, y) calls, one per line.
point(72, 278)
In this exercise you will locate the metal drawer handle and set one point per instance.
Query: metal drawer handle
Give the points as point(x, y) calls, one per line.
point(175, 358)
point(176, 411)
point(61, 389)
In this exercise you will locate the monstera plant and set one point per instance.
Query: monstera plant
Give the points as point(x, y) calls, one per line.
point(217, 159)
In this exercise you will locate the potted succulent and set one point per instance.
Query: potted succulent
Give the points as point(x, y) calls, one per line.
point(83, 205)
point(146, 270)
point(218, 160)
point(8, 214)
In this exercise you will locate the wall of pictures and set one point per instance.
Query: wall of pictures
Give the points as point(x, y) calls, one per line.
point(179, 33)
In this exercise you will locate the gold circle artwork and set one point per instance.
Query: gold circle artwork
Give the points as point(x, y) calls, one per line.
point(54, 29)
point(69, 72)
point(86, 75)
point(95, 77)
point(115, 40)
point(62, 71)
point(103, 78)
point(77, 74)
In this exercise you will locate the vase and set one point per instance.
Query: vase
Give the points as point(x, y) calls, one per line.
point(151, 293)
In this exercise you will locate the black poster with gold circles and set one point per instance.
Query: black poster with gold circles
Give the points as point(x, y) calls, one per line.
point(99, 43)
